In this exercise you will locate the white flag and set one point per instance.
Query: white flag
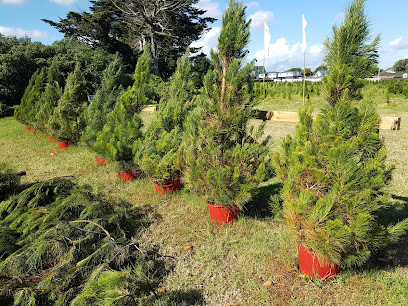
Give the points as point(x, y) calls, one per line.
point(304, 23)
point(267, 40)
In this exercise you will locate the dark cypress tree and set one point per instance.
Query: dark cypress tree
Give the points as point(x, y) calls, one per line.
point(222, 160)
point(334, 168)
point(104, 101)
point(124, 125)
point(66, 122)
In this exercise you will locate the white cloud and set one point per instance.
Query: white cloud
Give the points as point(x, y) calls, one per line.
point(208, 40)
point(12, 1)
point(283, 56)
point(252, 4)
point(400, 43)
point(259, 18)
point(64, 2)
point(34, 34)
point(212, 8)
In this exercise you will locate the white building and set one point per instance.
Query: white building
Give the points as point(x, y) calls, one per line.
point(289, 74)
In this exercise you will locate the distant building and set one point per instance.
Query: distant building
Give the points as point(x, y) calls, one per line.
point(321, 73)
point(289, 75)
point(272, 75)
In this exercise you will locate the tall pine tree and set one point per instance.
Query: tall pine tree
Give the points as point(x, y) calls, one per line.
point(334, 169)
point(222, 160)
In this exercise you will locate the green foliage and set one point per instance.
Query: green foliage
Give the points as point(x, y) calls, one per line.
point(334, 169)
point(222, 160)
point(26, 112)
point(106, 27)
point(104, 101)
point(19, 59)
point(49, 98)
point(124, 125)
point(156, 153)
point(349, 54)
point(401, 65)
point(70, 246)
point(334, 173)
point(66, 122)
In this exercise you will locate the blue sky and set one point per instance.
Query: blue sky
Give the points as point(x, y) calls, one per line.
point(284, 18)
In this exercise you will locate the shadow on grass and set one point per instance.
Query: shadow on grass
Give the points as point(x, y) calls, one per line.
point(181, 297)
point(395, 254)
point(259, 206)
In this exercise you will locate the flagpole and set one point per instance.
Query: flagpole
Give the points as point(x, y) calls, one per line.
point(264, 71)
point(304, 76)
point(304, 24)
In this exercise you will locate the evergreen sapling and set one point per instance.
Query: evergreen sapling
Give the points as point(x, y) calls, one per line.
point(66, 122)
point(104, 101)
point(156, 153)
point(224, 160)
point(124, 125)
point(334, 169)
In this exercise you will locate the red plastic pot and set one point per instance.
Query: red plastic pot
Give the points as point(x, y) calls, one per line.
point(310, 265)
point(26, 129)
point(129, 175)
point(63, 144)
point(223, 214)
point(100, 161)
point(50, 139)
point(171, 187)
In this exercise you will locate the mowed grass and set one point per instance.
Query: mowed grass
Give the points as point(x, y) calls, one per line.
point(250, 262)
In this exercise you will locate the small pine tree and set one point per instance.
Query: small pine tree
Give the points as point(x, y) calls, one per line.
point(222, 161)
point(66, 122)
point(104, 101)
point(124, 125)
point(27, 110)
point(50, 97)
point(156, 154)
point(334, 169)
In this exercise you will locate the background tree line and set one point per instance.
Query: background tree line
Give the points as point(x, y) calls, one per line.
point(93, 38)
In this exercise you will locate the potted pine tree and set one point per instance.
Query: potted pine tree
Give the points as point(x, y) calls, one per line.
point(334, 169)
point(156, 153)
point(103, 103)
point(223, 161)
point(66, 122)
point(123, 126)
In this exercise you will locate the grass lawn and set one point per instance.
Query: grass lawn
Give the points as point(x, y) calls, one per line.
point(250, 262)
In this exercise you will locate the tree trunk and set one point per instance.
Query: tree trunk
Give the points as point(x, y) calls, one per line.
point(156, 70)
